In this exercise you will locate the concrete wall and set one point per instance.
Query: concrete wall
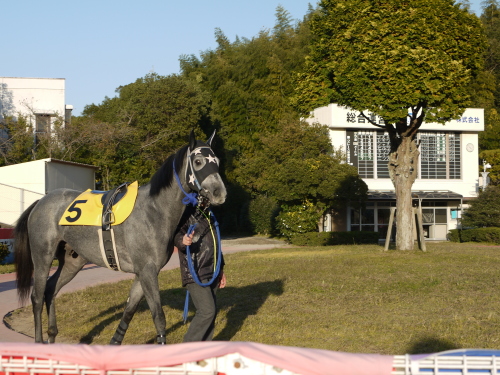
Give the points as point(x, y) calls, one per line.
point(31, 96)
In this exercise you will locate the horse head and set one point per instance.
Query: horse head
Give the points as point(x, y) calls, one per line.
point(201, 174)
point(202, 171)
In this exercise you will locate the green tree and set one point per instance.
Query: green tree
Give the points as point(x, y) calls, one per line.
point(299, 168)
point(409, 62)
point(492, 157)
point(141, 126)
point(108, 146)
point(486, 87)
point(485, 210)
point(249, 82)
point(490, 18)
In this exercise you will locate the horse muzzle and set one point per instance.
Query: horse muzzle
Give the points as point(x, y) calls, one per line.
point(214, 190)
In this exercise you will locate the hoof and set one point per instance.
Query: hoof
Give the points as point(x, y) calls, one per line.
point(161, 340)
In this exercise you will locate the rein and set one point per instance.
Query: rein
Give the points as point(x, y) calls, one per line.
point(193, 199)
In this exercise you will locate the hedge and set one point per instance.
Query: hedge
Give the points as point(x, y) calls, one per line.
point(334, 238)
point(262, 212)
point(491, 235)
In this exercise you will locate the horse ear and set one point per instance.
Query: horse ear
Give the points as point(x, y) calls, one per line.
point(210, 140)
point(192, 141)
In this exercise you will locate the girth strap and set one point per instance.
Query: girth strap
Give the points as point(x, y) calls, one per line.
point(108, 249)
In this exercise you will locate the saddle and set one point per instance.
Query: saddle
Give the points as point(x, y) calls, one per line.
point(103, 209)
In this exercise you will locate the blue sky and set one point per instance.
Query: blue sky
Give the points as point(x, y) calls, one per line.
point(98, 45)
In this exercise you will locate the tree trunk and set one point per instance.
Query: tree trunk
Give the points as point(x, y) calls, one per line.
point(402, 168)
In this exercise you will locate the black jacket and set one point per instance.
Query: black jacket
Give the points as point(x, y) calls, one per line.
point(202, 249)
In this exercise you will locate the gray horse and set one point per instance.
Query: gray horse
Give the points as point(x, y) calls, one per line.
point(143, 242)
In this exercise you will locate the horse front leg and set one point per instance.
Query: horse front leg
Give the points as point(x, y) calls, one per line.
point(135, 296)
point(151, 288)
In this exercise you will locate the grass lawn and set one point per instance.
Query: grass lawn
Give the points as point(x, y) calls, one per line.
point(7, 268)
point(343, 298)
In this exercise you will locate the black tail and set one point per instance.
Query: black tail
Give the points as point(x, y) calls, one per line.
point(22, 255)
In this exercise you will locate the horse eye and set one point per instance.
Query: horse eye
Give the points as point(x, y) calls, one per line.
point(197, 162)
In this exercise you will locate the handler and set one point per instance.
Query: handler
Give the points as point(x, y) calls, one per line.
point(202, 244)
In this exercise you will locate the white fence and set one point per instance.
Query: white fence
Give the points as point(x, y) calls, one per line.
point(13, 202)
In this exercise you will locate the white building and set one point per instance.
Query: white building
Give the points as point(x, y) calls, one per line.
point(24, 183)
point(448, 172)
point(40, 100)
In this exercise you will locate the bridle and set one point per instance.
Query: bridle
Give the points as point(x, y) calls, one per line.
point(194, 177)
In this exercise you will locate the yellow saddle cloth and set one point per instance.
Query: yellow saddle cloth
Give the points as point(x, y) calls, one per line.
point(87, 208)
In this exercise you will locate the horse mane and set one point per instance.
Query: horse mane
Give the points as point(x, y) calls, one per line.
point(164, 176)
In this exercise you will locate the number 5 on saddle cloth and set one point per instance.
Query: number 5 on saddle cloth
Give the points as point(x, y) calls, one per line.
point(103, 209)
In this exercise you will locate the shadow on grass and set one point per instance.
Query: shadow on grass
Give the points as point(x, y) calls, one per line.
point(239, 303)
point(429, 344)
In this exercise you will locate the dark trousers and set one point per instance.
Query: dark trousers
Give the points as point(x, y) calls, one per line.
point(202, 326)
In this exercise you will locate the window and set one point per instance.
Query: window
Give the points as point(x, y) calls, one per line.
point(374, 218)
point(439, 154)
point(363, 220)
point(383, 150)
point(454, 156)
point(42, 123)
point(369, 152)
point(383, 218)
point(434, 222)
point(360, 146)
point(432, 155)
point(434, 216)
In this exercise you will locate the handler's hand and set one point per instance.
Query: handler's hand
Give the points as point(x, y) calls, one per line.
point(188, 240)
point(222, 282)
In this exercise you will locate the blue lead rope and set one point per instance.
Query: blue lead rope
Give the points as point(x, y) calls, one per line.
point(191, 267)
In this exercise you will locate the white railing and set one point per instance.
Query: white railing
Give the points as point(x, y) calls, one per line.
point(450, 362)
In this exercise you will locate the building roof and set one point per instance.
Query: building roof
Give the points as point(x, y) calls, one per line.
point(50, 160)
point(416, 194)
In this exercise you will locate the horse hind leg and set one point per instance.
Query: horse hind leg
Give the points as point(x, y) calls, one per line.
point(135, 296)
point(70, 263)
point(40, 273)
